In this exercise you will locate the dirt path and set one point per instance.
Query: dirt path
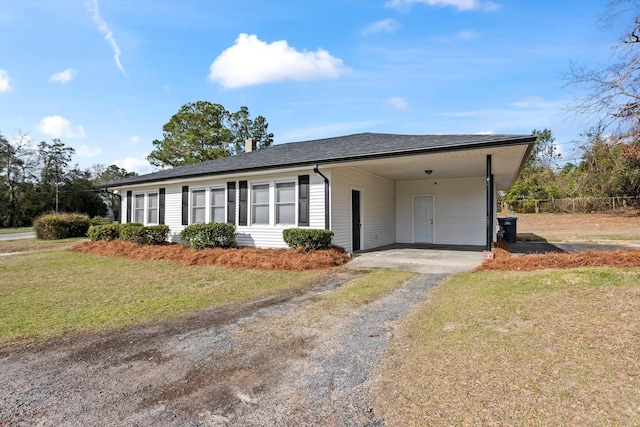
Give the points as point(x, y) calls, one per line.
point(274, 362)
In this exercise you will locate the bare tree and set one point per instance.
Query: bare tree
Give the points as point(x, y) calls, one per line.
point(613, 92)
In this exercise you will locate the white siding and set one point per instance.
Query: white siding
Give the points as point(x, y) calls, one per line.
point(377, 207)
point(250, 235)
point(459, 210)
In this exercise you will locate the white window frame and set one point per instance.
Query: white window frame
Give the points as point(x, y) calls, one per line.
point(137, 210)
point(212, 206)
point(294, 203)
point(193, 207)
point(252, 203)
point(149, 209)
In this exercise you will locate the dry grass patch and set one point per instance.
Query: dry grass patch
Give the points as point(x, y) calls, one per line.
point(31, 245)
point(248, 258)
point(293, 331)
point(519, 348)
point(593, 227)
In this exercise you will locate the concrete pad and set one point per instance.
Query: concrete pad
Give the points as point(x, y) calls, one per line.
point(424, 261)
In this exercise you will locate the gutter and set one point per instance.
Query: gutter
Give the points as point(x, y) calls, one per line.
point(326, 196)
point(306, 163)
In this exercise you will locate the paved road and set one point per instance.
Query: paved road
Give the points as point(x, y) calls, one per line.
point(14, 236)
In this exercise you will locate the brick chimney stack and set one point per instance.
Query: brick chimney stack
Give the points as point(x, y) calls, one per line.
point(249, 145)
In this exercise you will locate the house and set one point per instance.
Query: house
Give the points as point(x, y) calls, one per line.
point(370, 189)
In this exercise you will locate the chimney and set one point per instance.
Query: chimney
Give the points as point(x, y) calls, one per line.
point(249, 145)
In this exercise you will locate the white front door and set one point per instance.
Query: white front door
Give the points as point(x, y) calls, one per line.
point(423, 219)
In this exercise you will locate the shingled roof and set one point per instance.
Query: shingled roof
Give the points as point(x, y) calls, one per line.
point(361, 146)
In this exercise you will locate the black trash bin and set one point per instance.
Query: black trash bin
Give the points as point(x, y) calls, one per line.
point(508, 228)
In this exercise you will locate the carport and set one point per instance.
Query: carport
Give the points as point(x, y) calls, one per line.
point(420, 258)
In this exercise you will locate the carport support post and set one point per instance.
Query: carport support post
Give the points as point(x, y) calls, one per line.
point(490, 230)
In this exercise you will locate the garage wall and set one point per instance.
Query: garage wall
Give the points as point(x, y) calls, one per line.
point(377, 207)
point(459, 210)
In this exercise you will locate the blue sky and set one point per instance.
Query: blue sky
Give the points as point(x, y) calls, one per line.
point(104, 76)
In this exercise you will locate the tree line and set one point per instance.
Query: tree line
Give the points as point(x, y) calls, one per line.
point(39, 178)
point(609, 163)
point(609, 166)
point(36, 179)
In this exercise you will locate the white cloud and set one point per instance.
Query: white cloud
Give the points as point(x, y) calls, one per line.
point(251, 61)
point(92, 7)
point(5, 81)
point(485, 132)
point(529, 101)
point(59, 127)
point(64, 76)
point(386, 25)
point(85, 151)
point(134, 139)
point(398, 103)
point(461, 5)
point(134, 164)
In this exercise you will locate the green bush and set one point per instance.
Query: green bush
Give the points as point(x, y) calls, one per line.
point(214, 235)
point(307, 238)
point(107, 232)
point(137, 233)
point(100, 220)
point(134, 233)
point(55, 226)
point(157, 234)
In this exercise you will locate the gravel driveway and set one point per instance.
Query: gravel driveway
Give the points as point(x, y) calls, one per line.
point(273, 362)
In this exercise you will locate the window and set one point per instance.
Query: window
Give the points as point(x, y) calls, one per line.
point(152, 208)
point(217, 205)
point(260, 204)
point(198, 206)
point(286, 203)
point(138, 210)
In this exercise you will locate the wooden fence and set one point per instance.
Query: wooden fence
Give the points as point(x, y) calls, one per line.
point(575, 205)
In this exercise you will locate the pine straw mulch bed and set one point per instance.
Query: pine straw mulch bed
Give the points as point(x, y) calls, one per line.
point(245, 257)
point(504, 260)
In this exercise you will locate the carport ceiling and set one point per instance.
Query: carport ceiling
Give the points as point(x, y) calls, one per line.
point(506, 163)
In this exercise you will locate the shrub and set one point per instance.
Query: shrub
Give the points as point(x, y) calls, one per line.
point(134, 233)
point(100, 220)
point(107, 232)
point(78, 224)
point(56, 226)
point(157, 234)
point(307, 238)
point(214, 235)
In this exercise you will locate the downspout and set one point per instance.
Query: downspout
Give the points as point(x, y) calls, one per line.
point(490, 230)
point(326, 197)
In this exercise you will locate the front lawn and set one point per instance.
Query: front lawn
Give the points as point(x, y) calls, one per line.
point(519, 348)
point(47, 294)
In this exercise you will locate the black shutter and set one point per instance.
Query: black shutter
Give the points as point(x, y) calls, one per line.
point(129, 205)
point(231, 202)
point(185, 205)
point(303, 200)
point(161, 206)
point(243, 203)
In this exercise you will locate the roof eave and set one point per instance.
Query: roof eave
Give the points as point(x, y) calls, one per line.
point(427, 150)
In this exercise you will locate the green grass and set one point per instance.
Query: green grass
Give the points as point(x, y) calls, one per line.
point(48, 294)
point(364, 290)
point(16, 230)
point(519, 348)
